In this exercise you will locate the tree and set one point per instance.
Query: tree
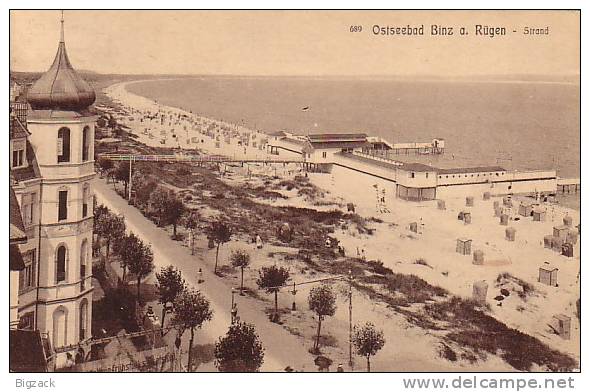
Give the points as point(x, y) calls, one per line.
point(143, 188)
point(270, 279)
point(143, 185)
point(124, 247)
point(169, 284)
point(173, 211)
point(101, 122)
point(191, 310)
point(140, 261)
point(220, 233)
point(367, 341)
point(240, 350)
point(122, 173)
point(98, 212)
point(240, 259)
point(104, 165)
point(322, 301)
point(191, 222)
point(157, 202)
point(110, 227)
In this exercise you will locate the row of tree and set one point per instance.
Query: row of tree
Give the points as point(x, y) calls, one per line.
point(134, 255)
point(240, 350)
point(138, 259)
point(165, 206)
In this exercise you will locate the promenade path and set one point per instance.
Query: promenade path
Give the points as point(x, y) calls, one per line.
point(281, 348)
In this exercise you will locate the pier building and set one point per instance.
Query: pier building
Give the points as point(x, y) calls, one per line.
point(418, 182)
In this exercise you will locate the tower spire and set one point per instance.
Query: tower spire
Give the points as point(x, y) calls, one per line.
point(61, 38)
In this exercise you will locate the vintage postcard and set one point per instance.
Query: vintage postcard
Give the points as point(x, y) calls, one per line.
point(295, 191)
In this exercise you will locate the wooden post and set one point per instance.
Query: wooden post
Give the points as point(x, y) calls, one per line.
point(130, 177)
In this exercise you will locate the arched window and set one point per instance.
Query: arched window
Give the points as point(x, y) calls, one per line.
point(85, 143)
point(83, 258)
point(61, 264)
point(83, 332)
point(63, 145)
point(60, 322)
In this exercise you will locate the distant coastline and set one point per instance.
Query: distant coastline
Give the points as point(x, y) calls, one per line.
point(211, 97)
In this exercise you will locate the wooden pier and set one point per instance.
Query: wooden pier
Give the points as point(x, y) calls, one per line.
point(568, 185)
point(189, 158)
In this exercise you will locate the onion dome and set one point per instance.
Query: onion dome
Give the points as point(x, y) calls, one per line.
point(61, 88)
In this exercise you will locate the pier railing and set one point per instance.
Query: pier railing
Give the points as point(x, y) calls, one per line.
point(194, 158)
point(377, 157)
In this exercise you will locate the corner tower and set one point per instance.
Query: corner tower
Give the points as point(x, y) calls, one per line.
point(61, 130)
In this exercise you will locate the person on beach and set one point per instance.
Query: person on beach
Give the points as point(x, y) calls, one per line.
point(200, 276)
point(234, 314)
point(258, 242)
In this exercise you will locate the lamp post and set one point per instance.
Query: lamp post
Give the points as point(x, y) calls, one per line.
point(350, 362)
point(233, 310)
point(294, 291)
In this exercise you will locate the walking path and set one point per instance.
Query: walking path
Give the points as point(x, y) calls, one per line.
point(281, 348)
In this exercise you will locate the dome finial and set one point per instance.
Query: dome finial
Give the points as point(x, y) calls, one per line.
point(61, 39)
point(61, 88)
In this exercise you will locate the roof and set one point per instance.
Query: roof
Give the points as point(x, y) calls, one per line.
point(17, 228)
point(27, 353)
point(17, 129)
point(375, 162)
point(293, 141)
point(277, 133)
point(20, 109)
point(58, 114)
point(337, 137)
point(31, 170)
point(61, 87)
point(477, 169)
point(15, 258)
point(339, 144)
point(417, 167)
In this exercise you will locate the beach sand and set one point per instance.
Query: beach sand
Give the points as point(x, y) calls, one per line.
point(411, 348)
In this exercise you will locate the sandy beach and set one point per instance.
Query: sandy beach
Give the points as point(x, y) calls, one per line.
point(429, 253)
point(163, 126)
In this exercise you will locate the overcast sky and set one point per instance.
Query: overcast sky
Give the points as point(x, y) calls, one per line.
point(293, 43)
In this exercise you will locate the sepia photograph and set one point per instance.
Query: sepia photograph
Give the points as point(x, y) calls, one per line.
point(286, 191)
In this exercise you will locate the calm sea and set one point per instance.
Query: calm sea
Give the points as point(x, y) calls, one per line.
point(517, 125)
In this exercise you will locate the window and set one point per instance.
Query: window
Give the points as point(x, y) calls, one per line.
point(18, 158)
point(83, 255)
point(27, 321)
point(85, 143)
point(83, 319)
point(28, 276)
point(412, 175)
point(33, 207)
point(60, 267)
point(324, 154)
point(62, 208)
point(85, 197)
point(29, 203)
point(26, 209)
point(426, 175)
point(63, 145)
point(60, 322)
